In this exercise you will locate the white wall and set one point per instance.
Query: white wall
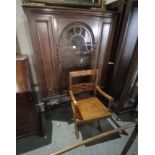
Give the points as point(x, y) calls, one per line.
point(109, 1)
point(23, 36)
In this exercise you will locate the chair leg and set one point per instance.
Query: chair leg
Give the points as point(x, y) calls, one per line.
point(99, 126)
point(76, 131)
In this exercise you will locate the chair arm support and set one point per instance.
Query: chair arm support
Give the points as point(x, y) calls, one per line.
point(74, 110)
point(73, 104)
point(73, 98)
point(108, 97)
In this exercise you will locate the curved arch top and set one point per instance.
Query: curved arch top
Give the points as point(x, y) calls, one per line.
point(77, 36)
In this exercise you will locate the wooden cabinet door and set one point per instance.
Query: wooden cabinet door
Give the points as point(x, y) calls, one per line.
point(65, 40)
point(81, 43)
point(107, 32)
point(43, 45)
point(77, 49)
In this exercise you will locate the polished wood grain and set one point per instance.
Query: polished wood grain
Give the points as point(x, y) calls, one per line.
point(22, 75)
point(83, 73)
point(72, 97)
point(53, 63)
point(108, 97)
point(44, 55)
point(82, 87)
point(90, 108)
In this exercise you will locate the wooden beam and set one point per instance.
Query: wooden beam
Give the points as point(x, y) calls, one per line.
point(89, 140)
point(130, 141)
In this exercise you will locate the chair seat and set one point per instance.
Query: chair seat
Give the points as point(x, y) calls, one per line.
point(92, 109)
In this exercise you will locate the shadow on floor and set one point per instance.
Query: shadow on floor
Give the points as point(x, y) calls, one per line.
point(91, 130)
point(63, 114)
point(130, 116)
point(88, 130)
point(33, 142)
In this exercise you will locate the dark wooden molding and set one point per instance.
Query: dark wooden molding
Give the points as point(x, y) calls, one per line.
point(67, 11)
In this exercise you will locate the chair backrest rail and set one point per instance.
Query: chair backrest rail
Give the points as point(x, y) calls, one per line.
point(83, 73)
point(77, 88)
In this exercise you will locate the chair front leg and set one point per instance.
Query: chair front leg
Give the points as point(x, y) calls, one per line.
point(99, 126)
point(109, 107)
point(76, 130)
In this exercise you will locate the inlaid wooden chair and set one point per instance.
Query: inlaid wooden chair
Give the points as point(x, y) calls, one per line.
point(91, 108)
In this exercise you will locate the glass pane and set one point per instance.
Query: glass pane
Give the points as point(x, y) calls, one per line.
point(75, 49)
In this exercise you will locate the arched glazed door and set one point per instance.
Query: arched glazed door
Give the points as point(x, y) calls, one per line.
point(76, 46)
point(76, 50)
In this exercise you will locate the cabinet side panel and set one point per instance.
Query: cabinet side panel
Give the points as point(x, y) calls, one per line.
point(45, 53)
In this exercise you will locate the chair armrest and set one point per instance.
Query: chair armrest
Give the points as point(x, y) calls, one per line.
point(73, 104)
point(108, 97)
point(73, 98)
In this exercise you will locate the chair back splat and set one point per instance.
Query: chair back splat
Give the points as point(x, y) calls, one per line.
point(80, 87)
